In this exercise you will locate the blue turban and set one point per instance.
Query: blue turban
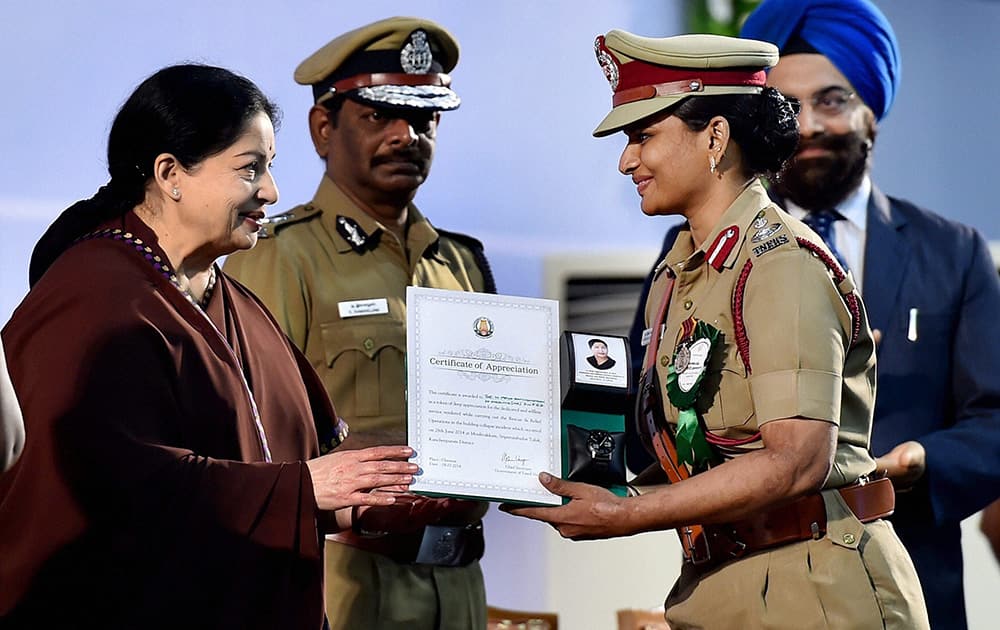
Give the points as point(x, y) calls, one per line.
point(852, 34)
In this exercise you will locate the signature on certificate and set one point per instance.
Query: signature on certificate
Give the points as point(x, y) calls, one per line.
point(513, 459)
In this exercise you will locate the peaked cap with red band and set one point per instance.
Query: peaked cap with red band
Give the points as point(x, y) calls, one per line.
point(399, 62)
point(648, 75)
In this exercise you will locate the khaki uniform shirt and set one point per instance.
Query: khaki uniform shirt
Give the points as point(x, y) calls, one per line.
point(798, 329)
point(307, 269)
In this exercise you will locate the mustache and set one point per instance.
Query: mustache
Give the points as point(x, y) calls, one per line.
point(411, 156)
point(833, 143)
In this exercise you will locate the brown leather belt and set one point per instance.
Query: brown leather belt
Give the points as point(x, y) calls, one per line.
point(802, 519)
point(437, 545)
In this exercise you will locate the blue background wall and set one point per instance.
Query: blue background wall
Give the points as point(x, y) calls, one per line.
point(516, 164)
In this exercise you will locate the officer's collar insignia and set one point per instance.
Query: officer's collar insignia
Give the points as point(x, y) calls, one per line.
point(724, 243)
point(416, 56)
point(356, 237)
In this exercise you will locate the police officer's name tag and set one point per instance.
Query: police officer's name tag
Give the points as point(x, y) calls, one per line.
point(357, 308)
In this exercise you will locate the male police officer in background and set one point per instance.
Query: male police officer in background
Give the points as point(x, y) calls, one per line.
point(929, 285)
point(334, 273)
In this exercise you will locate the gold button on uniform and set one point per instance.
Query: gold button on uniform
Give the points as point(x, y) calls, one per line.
point(369, 344)
point(688, 304)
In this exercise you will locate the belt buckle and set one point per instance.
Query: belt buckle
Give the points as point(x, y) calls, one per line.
point(440, 545)
point(691, 551)
point(450, 545)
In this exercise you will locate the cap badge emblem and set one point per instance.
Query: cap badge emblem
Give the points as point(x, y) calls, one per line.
point(607, 62)
point(416, 56)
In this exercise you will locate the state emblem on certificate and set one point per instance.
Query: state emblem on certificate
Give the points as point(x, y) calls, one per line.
point(483, 327)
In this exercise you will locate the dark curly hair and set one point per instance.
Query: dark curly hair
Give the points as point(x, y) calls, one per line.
point(763, 125)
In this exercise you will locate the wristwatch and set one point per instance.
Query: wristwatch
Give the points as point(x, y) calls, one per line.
point(601, 446)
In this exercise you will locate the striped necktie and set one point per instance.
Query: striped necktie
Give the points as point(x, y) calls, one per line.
point(821, 222)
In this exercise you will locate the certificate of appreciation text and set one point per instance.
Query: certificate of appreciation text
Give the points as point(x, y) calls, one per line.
point(483, 408)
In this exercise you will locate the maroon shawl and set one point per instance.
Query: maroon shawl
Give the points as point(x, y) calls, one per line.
point(143, 498)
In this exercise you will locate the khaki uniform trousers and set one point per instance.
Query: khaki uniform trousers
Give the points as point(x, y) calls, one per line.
point(857, 577)
point(368, 591)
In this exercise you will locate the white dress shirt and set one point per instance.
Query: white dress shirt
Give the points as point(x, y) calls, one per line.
point(848, 234)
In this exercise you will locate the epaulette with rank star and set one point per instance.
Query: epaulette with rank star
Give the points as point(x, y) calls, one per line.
point(270, 225)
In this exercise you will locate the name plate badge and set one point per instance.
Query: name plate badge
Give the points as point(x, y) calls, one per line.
point(358, 308)
point(647, 336)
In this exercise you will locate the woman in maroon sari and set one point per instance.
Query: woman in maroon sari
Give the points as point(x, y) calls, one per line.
point(172, 474)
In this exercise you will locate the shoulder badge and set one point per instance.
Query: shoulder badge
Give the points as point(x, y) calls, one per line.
point(763, 229)
point(774, 243)
point(768, 234)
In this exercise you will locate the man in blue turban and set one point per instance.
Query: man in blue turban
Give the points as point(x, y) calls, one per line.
point(852, 34)
point(929, 284)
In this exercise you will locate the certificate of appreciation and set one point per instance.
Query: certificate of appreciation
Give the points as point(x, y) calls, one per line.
point(483, 408)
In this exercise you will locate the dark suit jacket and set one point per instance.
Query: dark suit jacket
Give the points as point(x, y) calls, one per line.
point(942, 390)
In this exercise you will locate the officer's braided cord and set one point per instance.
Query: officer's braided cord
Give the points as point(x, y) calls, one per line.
point(838, 275)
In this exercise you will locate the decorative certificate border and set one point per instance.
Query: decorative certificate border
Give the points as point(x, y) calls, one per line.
point(488, 357)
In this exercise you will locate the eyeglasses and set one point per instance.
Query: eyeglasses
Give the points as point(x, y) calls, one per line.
point(828, 103)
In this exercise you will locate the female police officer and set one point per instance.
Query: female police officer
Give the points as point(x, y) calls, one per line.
point(758, 380)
